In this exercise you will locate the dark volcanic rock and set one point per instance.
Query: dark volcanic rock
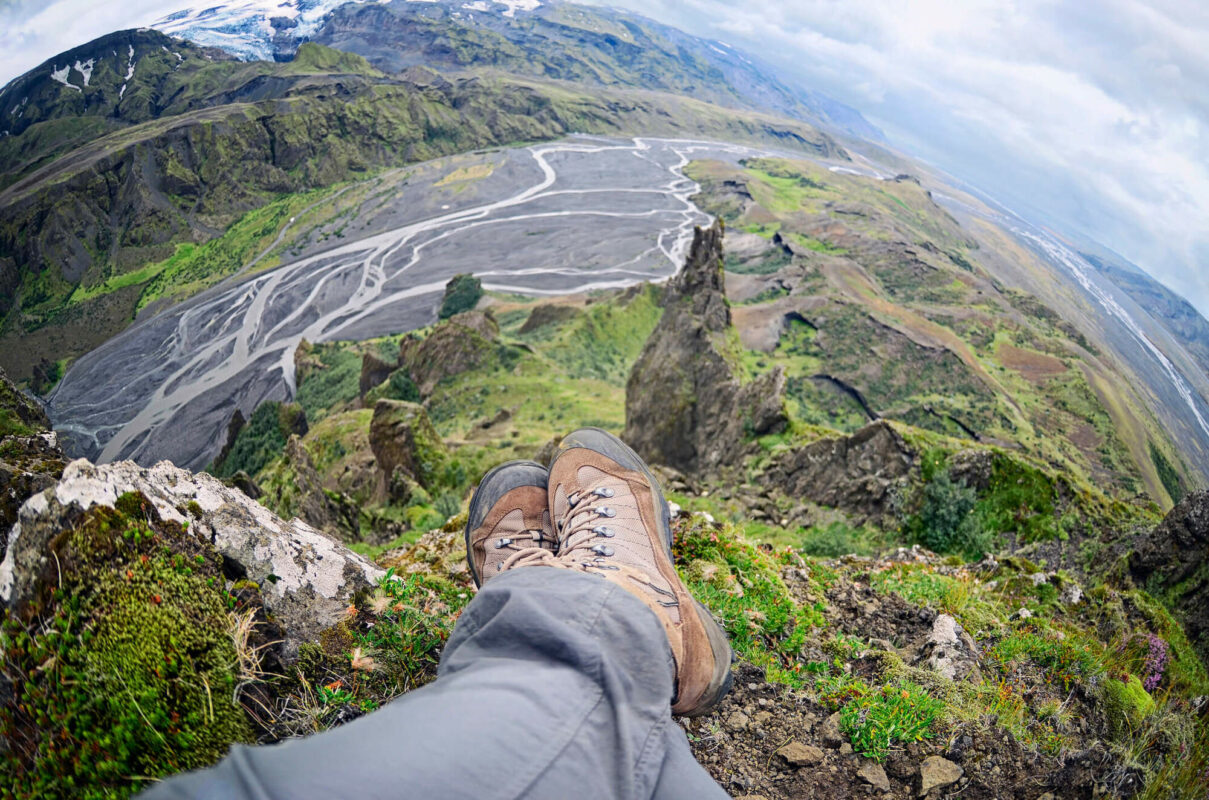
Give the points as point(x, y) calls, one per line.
point(1176, 554)
point(860, 474)
point(374, 370)
point(685, 405)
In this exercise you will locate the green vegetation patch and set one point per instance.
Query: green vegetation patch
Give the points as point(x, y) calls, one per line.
point(462, 293)
point(332, 380)
point(126, 671)
point(1063, 660)
point(741, 585)
point(259, 442)
point(1170, 477)
point(877, 719)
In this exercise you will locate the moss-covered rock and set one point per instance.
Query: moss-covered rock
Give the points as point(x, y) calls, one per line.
point(402, 438)
point(453, 347)
point(121, 664)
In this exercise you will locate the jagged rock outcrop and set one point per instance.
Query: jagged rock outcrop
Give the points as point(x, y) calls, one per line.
point(685, 405)
point(1174, 560)
point(405, 446)
point(860, 474)
point(306, 578)
point(28, 465)
point(18, 412)
point(374, 370)
point(461, 343)
point(300, 492)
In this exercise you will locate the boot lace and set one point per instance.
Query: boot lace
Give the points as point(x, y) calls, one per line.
point(528, 554)
point(585, 530)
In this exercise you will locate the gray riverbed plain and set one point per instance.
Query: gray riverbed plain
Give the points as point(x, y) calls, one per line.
point(571, 216)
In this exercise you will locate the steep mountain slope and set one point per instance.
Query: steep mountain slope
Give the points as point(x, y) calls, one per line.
point(876, 303)
point(584, 44)
point(551, 39)
point(1174, 312)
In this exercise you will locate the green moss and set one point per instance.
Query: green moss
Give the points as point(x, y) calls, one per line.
point(1126, 705)
point(124, 672)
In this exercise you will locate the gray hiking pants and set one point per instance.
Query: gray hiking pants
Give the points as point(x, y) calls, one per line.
point(554, 684)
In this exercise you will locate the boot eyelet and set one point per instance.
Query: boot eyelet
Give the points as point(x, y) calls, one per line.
point(604, 492)
point(603, 550)
point(502, 543)
point(605, 511)
point(601, 530)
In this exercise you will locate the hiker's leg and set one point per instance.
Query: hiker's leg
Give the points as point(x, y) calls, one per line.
point(554, 684)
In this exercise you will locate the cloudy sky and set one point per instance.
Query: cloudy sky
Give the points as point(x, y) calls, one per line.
point(1091, 116)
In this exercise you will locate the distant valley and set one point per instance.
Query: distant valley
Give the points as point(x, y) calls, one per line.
point(150, 170)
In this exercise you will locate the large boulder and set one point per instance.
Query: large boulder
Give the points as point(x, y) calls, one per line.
point(686, 406)
point(455, 346)
point(405, 444)
point(1173, 559)
point(306, 578)
point(860, 474)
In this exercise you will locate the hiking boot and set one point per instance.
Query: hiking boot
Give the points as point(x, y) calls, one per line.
point(612, 520)
point(509, 519)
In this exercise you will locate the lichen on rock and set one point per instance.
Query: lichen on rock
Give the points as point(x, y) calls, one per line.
point(307, 577)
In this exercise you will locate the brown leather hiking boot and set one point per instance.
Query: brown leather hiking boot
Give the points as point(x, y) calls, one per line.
point(612, 520)
point(509, 519)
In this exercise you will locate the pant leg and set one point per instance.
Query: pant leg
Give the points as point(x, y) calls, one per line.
point(680, 776)
point(554, 684)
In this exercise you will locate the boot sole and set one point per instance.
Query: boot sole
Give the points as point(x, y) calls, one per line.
point(490, 489)
point(605, 443)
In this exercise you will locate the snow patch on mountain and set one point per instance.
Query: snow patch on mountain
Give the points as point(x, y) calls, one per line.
point(247, 28)
point(266, 29)
point(60, 75)
point(85, 68)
